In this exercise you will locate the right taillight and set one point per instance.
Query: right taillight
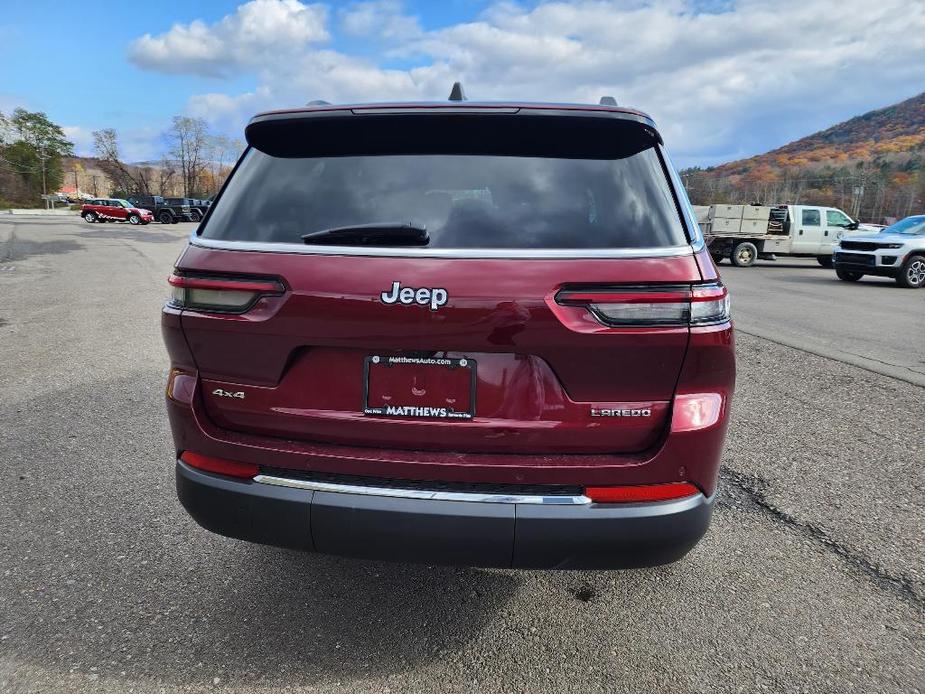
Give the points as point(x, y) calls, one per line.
point(221, 294)
point(667, 305)
point(709, 304)
point(694, 411)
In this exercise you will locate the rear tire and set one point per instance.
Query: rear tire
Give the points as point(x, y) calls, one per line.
point(912, 275)
point(744, 254)
point(848, 275)
point(825, 261)
point(196, 215)
point(165, 217)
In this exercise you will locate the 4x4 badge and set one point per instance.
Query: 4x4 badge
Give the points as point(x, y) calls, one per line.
point(228, 394)
point(434, 297)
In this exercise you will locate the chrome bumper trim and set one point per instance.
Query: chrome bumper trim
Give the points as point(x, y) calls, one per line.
point(423, 494)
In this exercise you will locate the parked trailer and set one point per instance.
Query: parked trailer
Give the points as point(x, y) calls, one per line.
point(745, 233)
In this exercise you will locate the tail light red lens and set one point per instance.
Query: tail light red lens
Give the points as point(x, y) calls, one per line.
point(709, 304)
point(696, 411)
point(220, 466)
point(220, 294)
point(674, 305)
point(638, 493)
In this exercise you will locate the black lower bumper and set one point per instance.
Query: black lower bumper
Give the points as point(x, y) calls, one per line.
point(467, 533)
point(876, 271)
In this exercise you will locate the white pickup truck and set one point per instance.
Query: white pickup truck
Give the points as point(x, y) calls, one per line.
point(745, 233)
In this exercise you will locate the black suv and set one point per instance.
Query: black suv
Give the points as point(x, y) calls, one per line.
point(198, 208)
point(165, 211)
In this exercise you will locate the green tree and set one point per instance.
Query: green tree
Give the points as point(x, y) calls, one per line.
point(31, 147)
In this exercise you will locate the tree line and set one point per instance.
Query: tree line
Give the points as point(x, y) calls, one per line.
point(879, 190)
point(31, 152)
point(194, 164)
point(36, 158)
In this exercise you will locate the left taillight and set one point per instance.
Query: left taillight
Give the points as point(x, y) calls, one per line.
point(655, 305)
point(222, 294)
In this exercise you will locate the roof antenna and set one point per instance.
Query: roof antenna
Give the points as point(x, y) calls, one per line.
point(608, 101)
point(457, 93)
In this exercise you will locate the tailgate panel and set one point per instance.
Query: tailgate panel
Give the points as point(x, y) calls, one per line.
point(299, 358)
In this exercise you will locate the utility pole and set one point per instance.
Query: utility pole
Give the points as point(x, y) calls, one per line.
point(76, 186)
point(44, 191)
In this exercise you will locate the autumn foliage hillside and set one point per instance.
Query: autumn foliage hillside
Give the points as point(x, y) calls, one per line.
point(872, 165)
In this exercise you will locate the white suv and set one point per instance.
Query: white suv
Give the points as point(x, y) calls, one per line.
point(898, 252)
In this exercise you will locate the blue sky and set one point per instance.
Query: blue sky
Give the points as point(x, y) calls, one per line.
point(724, 78)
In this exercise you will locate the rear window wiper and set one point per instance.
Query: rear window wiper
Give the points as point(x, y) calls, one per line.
point(377, 234)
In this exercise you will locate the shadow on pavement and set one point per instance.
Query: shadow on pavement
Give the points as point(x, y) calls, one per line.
point(831, 278)
point(100, 567)
point(16, 248)
point(134, 233)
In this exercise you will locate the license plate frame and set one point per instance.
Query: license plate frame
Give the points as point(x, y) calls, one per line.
point(408, 410)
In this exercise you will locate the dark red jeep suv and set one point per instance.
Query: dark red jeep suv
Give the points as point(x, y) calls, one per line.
point(484, 334)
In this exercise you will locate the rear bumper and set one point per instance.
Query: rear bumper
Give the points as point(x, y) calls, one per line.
point(437, 531)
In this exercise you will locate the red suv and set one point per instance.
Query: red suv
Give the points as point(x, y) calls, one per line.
point(114, 210)
point(483, 334)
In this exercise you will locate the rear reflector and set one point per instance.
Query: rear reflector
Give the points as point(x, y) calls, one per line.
point(673, 305)
point(180, 385)
point(696, 411)
point(219, 294)
point(640, 492)
point(231, 468)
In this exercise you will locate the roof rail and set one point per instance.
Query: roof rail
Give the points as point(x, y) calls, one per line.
point(457, 93)
point(607, 101)
point(318, 102)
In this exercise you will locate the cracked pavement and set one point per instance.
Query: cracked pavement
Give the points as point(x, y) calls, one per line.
point(811, 577)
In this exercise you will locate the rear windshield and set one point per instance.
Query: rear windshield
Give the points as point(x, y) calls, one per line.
point(464, 200)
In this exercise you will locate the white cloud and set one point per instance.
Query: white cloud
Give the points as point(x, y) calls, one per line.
point(381, 19)
point(135, 144)
point(260, 31)
point(721, 84)
point(82, 139)
point(144, 143)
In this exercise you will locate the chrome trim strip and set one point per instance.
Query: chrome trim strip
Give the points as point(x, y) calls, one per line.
point(423, 494)
point(501, 253)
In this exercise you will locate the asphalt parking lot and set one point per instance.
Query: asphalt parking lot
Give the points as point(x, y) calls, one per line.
point(812, 577)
